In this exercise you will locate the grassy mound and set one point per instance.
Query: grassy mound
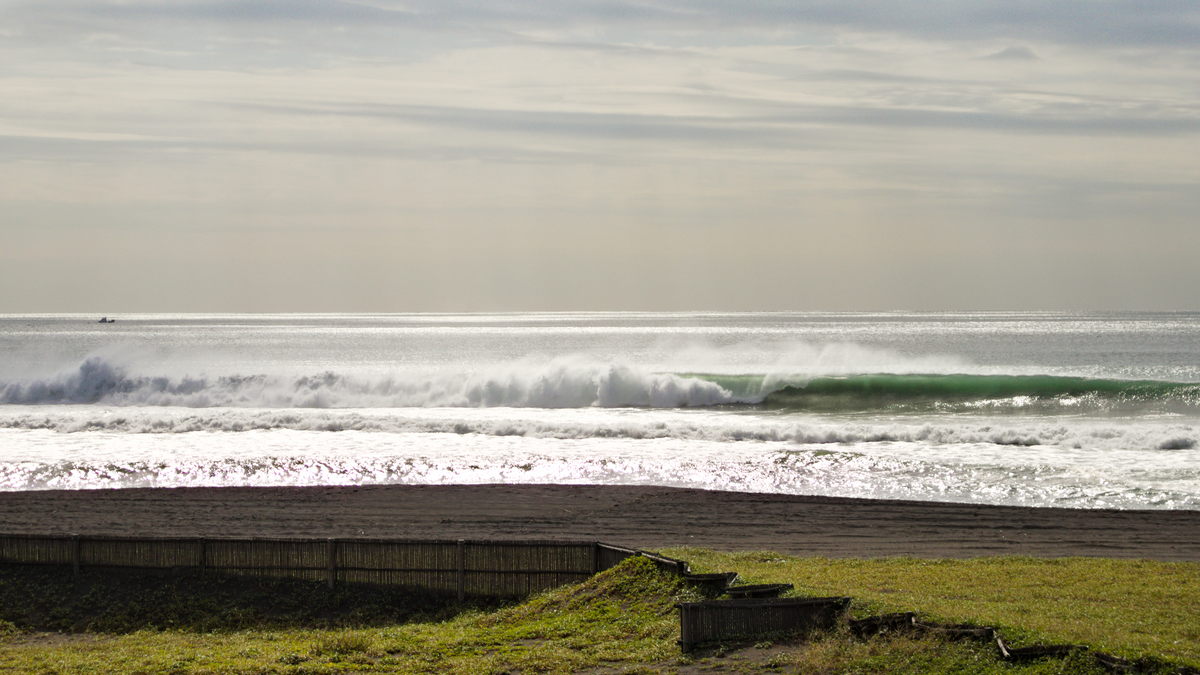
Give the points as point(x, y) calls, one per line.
point(620, 621)
point(624, 615)
point(46, 599)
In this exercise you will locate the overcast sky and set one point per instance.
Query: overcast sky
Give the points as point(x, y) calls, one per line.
point(413, 155)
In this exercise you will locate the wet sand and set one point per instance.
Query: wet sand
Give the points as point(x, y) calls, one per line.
point(644, 517)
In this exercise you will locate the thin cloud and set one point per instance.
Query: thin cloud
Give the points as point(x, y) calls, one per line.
point(787, 126)
point(1151, 24)
point(775, 128)
point(1015, 53)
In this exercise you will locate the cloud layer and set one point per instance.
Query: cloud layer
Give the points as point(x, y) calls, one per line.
point(408, 155)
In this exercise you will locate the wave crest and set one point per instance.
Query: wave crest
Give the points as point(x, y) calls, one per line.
point(941, 392)
point(558, 384)
point(577, 383)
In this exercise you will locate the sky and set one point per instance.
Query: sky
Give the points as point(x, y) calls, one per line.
point(509, 155)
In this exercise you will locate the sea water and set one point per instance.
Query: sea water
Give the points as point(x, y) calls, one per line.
point(1036, 409)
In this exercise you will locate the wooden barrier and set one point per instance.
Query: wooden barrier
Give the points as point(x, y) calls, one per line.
point(456, 567)
point(732, 620)
point(608, 556)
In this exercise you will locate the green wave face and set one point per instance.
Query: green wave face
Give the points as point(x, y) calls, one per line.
point(940, 392)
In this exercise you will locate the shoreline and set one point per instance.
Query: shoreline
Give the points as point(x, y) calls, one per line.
point(639, 516)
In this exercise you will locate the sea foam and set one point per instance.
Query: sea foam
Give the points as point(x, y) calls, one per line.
point(297, 458)
point(560, 383)
point(1069, 434)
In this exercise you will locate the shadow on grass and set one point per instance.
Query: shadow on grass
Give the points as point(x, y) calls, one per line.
point(51, 599)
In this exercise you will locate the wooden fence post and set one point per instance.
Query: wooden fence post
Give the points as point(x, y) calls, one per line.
point(331, 553)
point(76, 555)
point(462, 570)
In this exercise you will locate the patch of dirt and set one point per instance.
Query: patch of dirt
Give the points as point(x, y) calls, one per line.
point(47, 639)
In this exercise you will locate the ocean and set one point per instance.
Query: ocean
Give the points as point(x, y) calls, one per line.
point(1020, 408)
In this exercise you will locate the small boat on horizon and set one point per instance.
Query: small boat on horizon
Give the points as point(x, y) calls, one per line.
point(105, 319)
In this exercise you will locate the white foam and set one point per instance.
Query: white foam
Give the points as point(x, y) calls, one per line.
point(560, 383)
point(909, 471)
point(1166, 434)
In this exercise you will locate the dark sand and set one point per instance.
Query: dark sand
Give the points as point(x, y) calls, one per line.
point(644, 517)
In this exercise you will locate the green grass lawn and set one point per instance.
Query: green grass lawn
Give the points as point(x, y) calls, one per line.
point(1128, 608)
point(622, 620)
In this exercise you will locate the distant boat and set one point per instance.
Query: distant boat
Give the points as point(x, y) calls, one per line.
point(105, 319)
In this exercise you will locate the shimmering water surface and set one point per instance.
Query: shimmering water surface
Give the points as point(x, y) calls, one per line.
point(1080, 410)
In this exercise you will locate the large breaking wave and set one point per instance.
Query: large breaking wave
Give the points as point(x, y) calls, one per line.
point(557, 384)
point(574, 383)
point(914, 391)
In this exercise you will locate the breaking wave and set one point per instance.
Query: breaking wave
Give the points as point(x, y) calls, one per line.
point(571, 383)
point(874, 389)
point(558, 384)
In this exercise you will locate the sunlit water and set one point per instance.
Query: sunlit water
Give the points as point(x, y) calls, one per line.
point(953, 408)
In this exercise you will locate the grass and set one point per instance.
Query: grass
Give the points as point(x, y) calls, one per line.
point(622, 620)
point(625, 616)
point(44, 599)
point(1130, 608)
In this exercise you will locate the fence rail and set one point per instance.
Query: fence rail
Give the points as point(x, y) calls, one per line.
point(460, 566)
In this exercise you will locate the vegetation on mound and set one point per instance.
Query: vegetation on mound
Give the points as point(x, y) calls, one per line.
point(622, 620)
point(1129, 608)
point(45, 599)
point(625, 615)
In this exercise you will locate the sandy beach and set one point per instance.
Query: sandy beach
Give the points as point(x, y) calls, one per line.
point(645, 517)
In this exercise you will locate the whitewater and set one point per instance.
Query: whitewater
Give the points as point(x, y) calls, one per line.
point(1034, 409)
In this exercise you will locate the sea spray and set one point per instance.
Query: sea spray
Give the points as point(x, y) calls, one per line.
point(565, 383)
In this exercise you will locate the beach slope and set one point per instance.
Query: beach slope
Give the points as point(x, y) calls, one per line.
point(646, 517)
